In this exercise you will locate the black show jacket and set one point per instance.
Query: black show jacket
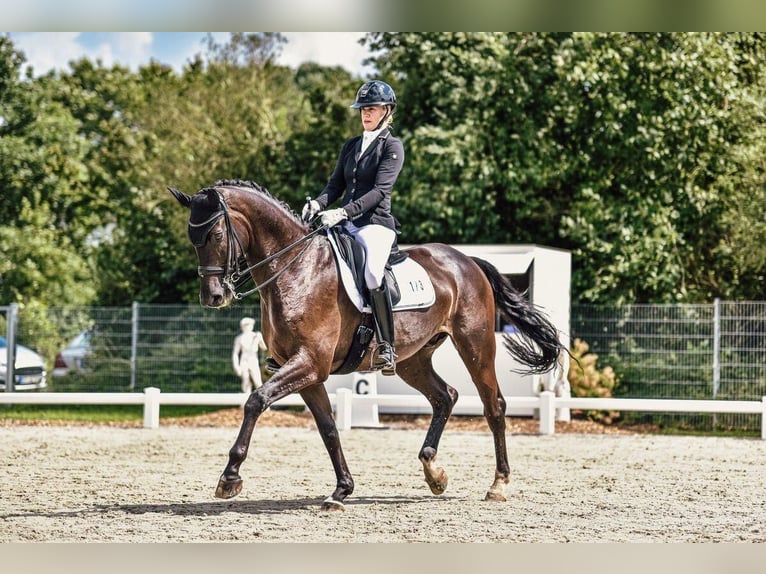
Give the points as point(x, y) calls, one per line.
point(367, 180)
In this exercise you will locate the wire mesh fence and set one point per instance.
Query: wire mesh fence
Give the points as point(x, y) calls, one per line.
point(708, 351)
point(177, 348)
point(714, 351)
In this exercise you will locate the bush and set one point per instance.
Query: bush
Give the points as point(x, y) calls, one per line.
point(587, 380)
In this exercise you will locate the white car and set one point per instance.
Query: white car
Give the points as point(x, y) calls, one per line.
point(70, 359)
point(29, 369)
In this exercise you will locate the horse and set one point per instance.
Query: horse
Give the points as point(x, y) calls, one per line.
point(241, 231)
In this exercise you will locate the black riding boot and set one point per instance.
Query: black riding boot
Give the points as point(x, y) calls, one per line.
point(383, 357)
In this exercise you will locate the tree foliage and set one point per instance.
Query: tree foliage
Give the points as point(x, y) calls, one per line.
point(633, 150)
point(642, 153)
point(41, 175)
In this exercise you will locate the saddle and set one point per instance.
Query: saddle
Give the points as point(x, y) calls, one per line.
point(351, 251)
point(350, 259)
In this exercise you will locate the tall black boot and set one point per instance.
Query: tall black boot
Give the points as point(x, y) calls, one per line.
point(384, 357)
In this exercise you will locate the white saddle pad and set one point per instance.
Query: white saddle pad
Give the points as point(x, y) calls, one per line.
point(414, 283)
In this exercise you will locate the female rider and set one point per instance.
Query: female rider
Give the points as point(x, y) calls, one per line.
point(365, 173)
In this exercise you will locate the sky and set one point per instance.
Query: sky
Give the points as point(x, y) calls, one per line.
point(54, 50)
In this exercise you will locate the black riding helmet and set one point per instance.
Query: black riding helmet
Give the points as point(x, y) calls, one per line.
point(375, 93)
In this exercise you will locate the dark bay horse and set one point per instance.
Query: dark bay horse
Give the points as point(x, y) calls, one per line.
point(308, 322)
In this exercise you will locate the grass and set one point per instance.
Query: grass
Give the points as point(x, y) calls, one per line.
point(96, 413)
point(134, 413)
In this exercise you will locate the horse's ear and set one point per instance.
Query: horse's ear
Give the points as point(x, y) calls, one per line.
point(213, 197)
point(182, 198)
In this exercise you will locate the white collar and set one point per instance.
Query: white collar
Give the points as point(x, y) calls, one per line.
point(369, 136)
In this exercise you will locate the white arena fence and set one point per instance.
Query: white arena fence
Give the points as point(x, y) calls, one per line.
point(664, 354)
point(345, 402)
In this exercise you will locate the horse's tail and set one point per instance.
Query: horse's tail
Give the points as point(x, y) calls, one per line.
point(537, 343)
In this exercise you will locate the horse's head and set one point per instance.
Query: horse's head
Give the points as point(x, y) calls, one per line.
point(211, 232)
point(231, 249)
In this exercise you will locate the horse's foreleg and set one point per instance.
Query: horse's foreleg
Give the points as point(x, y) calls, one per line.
point(418, 373)
point(289, 379)
point(230, 483)
point(318, 402)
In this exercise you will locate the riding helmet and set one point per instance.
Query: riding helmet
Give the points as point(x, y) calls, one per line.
point(375, 93)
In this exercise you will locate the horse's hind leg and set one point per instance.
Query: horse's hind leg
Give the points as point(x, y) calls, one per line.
point(478, 354)
point(418, 372)
point(496, 420)
point(318, 402)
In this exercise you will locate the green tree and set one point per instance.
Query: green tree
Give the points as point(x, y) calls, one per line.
point(642, 153)
point(38, 263)
point(42, 172)
point(654, 118)
point(633, 150)
point(740, 250)
point(231, 114)
point(474, 109)
point(324, 120)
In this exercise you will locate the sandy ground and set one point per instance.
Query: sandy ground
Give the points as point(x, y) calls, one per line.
point(106, 484)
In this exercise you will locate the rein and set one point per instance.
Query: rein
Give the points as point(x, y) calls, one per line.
point(235, 254)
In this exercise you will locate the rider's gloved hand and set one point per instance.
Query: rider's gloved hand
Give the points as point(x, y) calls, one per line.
point(333, 216)
point(310, 210)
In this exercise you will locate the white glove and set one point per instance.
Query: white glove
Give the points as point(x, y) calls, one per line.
point(310, 210)
point(333, 216)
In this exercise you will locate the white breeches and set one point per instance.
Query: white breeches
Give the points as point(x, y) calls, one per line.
point(377, 241)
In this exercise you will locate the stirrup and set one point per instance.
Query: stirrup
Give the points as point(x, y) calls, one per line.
point(384, 359)
point(271, 365)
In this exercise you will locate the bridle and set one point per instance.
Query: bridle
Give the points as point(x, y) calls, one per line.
point(236, 269)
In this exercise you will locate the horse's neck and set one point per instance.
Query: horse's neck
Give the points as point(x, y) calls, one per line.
point(272, 230)
point(271, 227)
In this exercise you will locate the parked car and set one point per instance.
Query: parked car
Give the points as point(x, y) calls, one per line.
point(71, 359)
point(29, 368)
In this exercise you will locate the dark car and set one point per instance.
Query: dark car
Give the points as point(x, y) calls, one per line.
point(71, 358)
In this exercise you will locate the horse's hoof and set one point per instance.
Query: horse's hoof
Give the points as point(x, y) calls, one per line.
point(495, 496)
point(439, 484)
point(228, 487)
point(330, 505)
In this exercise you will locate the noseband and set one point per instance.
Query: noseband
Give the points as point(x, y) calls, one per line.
point(236, 269)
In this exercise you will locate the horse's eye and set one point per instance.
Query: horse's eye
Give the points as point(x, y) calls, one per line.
point(218, 235)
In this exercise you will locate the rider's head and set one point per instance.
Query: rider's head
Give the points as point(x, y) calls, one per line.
point(246, 324)
point(376, 94)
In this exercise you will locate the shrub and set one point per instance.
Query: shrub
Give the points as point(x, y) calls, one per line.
point(587, 380)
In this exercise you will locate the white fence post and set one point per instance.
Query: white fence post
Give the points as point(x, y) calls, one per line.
point(564, 391)
point(151, 408)
point(763, 418)
point(547, 412)
point(365, 413)
point(343, 400)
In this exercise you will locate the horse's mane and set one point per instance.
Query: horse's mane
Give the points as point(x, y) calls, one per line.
point(254, 187)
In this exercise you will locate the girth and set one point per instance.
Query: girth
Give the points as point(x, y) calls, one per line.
point(359, 346)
